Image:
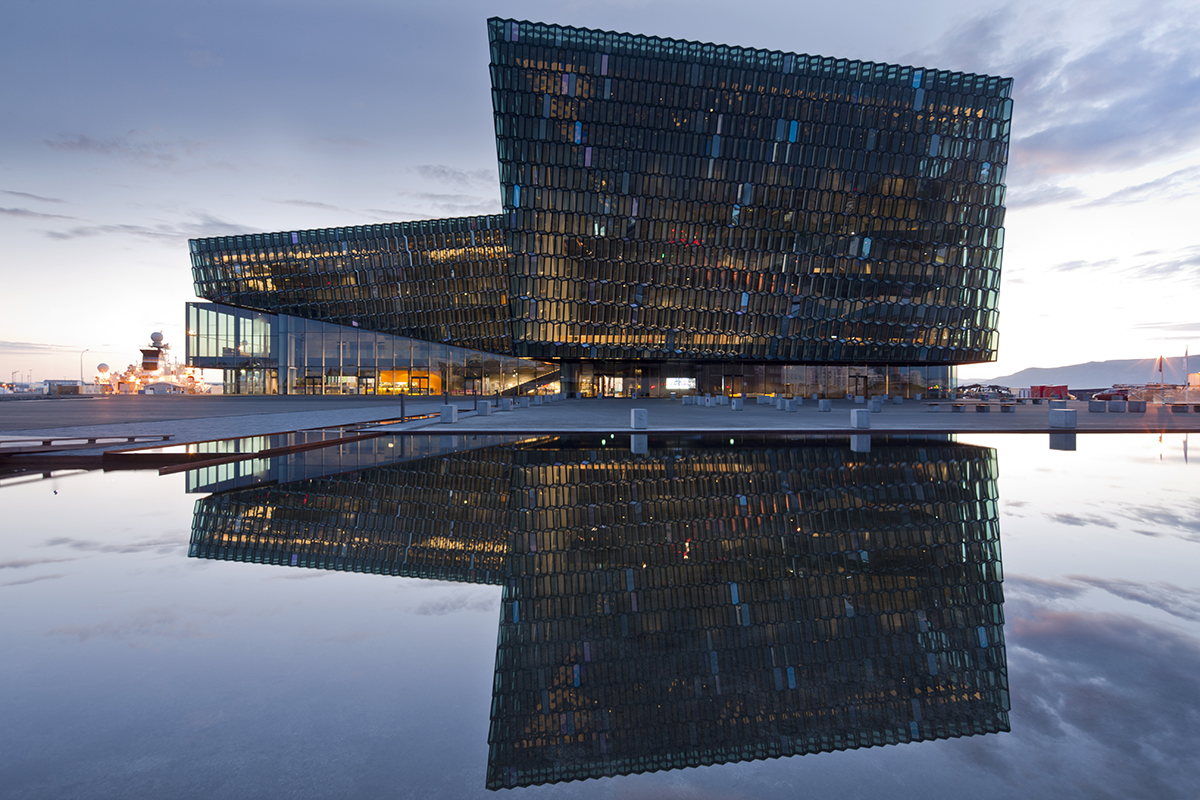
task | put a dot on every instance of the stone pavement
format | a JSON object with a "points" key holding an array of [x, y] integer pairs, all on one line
{"points": [[194, 419], [612, 416], [191, 419]]}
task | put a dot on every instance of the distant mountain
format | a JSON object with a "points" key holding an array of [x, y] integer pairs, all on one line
{"points": [[1098, 374]]}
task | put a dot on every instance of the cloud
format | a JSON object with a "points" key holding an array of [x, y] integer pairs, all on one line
{"points": [[459, 602], [204, 58], [1103, 706], [33, 349], [22, 563], [1176, 601], [162, 545], [1126, 101], [25, 212], [204, 225], [1178, 184], [24, 581], [1183, 263], [1182, 522], [1082, 521], [1112, 89], [389, 214], [309, 204], [1179, 326], [1071, 266], [1041, 195], [345, 141], [1028, 587], [29, 196], [136, 146], [453, 175], [452, 204], [162, 623]]}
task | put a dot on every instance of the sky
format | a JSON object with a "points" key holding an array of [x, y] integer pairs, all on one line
{"points": [[130, 127]]}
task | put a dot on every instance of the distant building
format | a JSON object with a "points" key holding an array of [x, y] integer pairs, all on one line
{"points": [[677, 216]]}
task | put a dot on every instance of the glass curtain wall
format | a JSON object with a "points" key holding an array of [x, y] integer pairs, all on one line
{"points": [[280, 354], [736, 379], [670, 200]]}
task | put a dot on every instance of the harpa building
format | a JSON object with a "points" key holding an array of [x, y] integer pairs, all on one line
{"points": [[676, 216]]}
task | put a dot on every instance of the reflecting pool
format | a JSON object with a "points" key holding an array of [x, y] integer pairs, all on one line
{"points": [[448, 616]]}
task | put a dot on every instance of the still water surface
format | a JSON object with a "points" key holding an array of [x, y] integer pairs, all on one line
{"points": [[447, 617]]}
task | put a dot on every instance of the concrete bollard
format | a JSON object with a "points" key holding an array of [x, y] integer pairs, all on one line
{"points": [[506, 404], [483, 409], [1136, 406], [876, 405], [1116, 406], [710, 401], [1062, 418], [1097, 406], [825, 405], [1058, 404], [639, 443], [639, 418], [860, 418], [1179, 408], [537, 400], [449, 414], [983, 408], [780, 404], [897, 400], [1037, 401], [917, 397], [791, 405], [859, 399], [735, 403], [523, 402], [816, 396], [1007, 408], [687, 399], [722, 400], [860, 443], [1062, 441]]}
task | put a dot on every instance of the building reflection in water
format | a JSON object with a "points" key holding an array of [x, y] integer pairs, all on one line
{"points": [[692, 604]]}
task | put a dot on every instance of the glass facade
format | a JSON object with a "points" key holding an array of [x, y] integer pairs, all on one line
{"points": [[692, 604], [440, 280], [675, 199], [279, 353], [682, 211]]}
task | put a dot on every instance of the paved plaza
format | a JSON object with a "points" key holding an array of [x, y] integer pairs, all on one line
{"points": [[196, 418], [664, 416], [190, 419]]}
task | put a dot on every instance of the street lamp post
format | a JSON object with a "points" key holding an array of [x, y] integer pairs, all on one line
{"points": [[87, 350]]}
